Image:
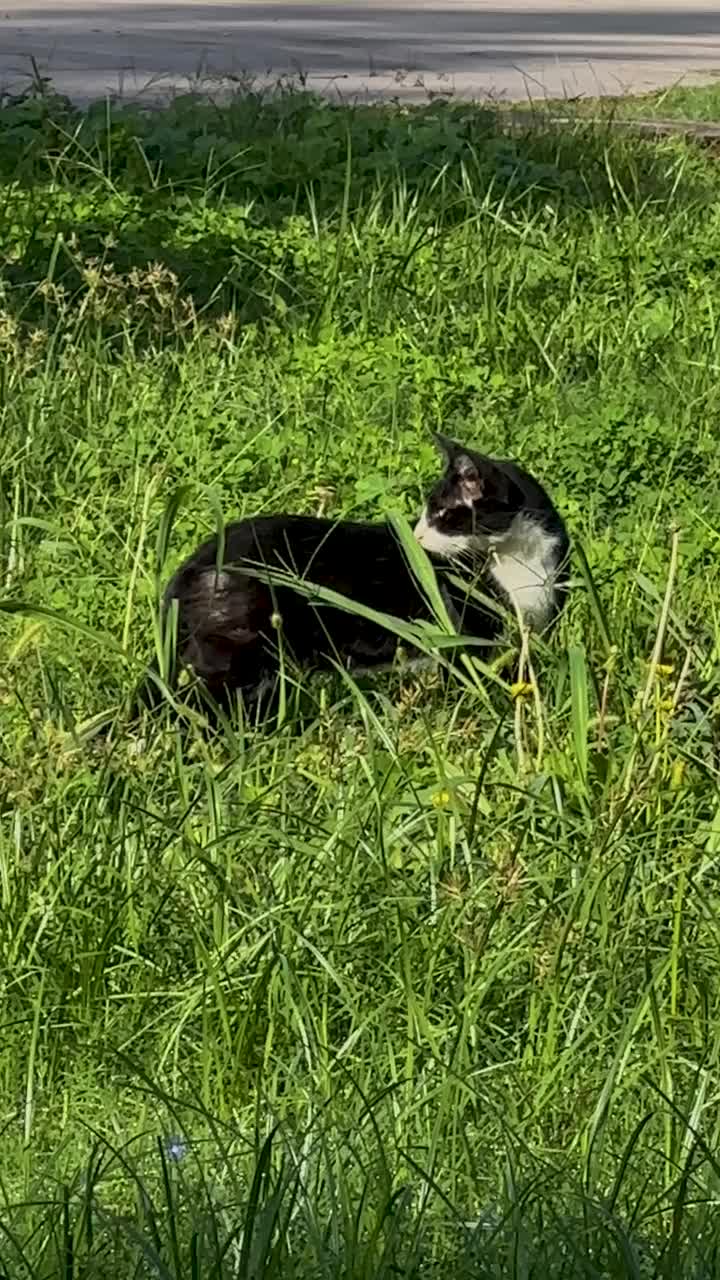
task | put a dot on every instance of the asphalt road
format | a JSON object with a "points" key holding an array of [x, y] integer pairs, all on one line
{"points": [[375, 48]]}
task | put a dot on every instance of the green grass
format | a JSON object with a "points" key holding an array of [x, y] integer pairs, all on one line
{"points": [[675, 102], [426, 983]]}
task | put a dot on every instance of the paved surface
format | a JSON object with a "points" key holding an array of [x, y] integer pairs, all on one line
{"points": [[372, 48]]}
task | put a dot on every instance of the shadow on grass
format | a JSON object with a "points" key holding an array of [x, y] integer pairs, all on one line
{"points": [[241, 202]]}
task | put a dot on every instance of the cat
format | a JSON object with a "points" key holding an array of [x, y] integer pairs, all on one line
{"points": [[484, 509], [484, 516]]}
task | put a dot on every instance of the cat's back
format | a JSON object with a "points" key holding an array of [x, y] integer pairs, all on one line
{"points": [[296, 543]]}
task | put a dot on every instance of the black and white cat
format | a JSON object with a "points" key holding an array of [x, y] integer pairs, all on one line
{"points": [[487, 517], [491, 513]]}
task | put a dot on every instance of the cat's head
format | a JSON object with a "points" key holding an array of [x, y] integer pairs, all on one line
{"points": [[473, 504]]}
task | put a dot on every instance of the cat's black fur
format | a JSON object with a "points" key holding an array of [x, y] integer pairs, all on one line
{"points": [[230, 622]]}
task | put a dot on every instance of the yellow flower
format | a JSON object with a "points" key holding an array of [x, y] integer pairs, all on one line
{"points": [[522, 689], [440, 799]]}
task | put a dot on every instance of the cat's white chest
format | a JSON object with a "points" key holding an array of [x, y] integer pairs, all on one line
{"points": [[523, 563]]}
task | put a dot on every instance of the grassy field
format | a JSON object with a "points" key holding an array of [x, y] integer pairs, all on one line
{"points": [[426, 984]]}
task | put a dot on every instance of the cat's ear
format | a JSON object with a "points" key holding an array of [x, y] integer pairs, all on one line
{"points": [[469, 477], [480, 479], [447, 447], [467, 471]]}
